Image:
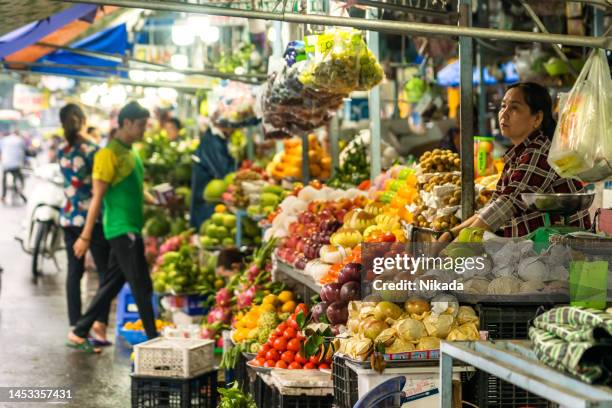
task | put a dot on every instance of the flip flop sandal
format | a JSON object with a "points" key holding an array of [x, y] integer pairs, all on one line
{"points": [[86, 346], [99, 343]]}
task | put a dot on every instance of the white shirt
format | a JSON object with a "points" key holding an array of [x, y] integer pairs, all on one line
{"points": [[13, 150]]}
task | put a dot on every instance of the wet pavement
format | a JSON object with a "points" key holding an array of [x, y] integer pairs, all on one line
{"points": [[33, 328]]}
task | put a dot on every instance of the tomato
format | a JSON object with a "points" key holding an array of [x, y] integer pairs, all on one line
{"points": [[280, 364], [388, 237], [324, 366], [272, 355], [282, 326], [288, 356], [290, 333], [261, 361], [310, 366], [294, 345], [315, 359], [280, 344], [292, 322], [301, 308], [273, 336], [295, 366], [300, 359], [264, 349]]}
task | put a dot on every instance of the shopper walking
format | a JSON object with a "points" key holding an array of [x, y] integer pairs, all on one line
{"points": [[76, 157], [12, 154], [118, 182]]}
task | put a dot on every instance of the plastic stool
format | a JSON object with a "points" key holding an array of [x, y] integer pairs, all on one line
{"points": [[127, 311], [385, 395]]}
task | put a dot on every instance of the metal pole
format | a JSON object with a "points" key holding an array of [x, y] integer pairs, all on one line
{"points": [[483, 15], [466, 67], [334, 133], [305, 159], [402, 27], [250, 144], [116, 80], [598, 22], [374, 100]]}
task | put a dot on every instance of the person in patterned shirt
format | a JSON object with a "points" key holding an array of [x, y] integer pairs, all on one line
{"points": [[76, 156], [526, 119]]}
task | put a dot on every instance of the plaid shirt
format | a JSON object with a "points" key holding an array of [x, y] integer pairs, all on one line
{"points": [[526, 170]]}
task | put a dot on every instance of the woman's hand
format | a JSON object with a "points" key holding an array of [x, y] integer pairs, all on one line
{"points": [[444, 238], [80, 247]]}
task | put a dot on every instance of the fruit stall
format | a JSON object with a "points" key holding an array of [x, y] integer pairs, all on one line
{"points": [[306, 231], [296, 290]]}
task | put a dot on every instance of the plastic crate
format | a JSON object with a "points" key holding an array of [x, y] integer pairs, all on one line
{"points": [[302, 401], [173, 357], [346, 392], [505, 323], [263, 393], [196, 392], [501, 394], [127, 311]]}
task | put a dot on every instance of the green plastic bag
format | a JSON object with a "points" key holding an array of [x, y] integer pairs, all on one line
{"points": [[588, 284]]}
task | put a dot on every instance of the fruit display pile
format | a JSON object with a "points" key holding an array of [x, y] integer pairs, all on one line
{"points": [[288, 163], [179, 270], [167, 161], [290, 347], [137, 325], [416, 325], [221, 228], [255, 326]]}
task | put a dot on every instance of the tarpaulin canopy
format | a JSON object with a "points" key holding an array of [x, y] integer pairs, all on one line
{"points": [[31, 33], [113, 40]]}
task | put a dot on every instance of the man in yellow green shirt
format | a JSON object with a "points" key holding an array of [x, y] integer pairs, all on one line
{"points": [[118, 186]]}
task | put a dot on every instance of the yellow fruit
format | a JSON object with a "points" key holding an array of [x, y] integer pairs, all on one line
{"points": [[241, 334], [240, 324], [267, 307], [250, 322], [288, 307], [219, 283], [285, 296], [270, 300], [219, 208]]}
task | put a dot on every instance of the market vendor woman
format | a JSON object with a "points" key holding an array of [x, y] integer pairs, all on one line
{"points": [[526, 119]]}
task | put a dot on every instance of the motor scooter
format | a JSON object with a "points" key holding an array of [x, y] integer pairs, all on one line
{"points": [[42, 235]]}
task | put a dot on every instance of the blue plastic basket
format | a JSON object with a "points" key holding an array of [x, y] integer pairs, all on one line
{"points": [[133, 336]]}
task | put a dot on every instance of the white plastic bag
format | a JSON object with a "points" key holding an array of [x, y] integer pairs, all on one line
{"points": [[582, 143]]}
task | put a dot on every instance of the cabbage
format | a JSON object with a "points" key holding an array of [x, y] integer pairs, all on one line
{"points": [[467, 331], [531, 286], [399, 346], [438, 325], [467, 315], [428, 343], [410, 329], [477, 285], [506, 285], [531, 269]]}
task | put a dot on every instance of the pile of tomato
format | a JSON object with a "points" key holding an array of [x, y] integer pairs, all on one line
{"points": [[282, 350]]}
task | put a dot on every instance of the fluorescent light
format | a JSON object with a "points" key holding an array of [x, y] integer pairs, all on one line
{"points": [[179, 61], [182, 35], [210, 35]]}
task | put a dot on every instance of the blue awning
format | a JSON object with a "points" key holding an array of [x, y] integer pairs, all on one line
{"points": [[31, 33], [113, 40]]}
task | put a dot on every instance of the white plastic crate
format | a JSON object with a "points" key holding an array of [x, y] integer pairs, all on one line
{"points": [[173, 357]]}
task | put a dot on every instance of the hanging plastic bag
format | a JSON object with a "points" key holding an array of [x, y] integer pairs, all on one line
{"points": [[335, 66], [582, 143]]}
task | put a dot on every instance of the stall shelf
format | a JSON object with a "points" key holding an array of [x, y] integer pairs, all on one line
{"points": [[514, 362]]}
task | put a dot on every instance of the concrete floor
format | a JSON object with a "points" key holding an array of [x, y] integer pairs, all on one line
{"points": [[33, 328]]}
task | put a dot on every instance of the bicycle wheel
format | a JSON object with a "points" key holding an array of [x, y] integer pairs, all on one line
{"points": [[39, 249]]}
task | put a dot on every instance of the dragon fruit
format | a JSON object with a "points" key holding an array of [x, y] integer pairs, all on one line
{"points": [[245, 299], [171, 244], [219, 314], [219, 343], [223, 298], [208, 333], [253, 272]]}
